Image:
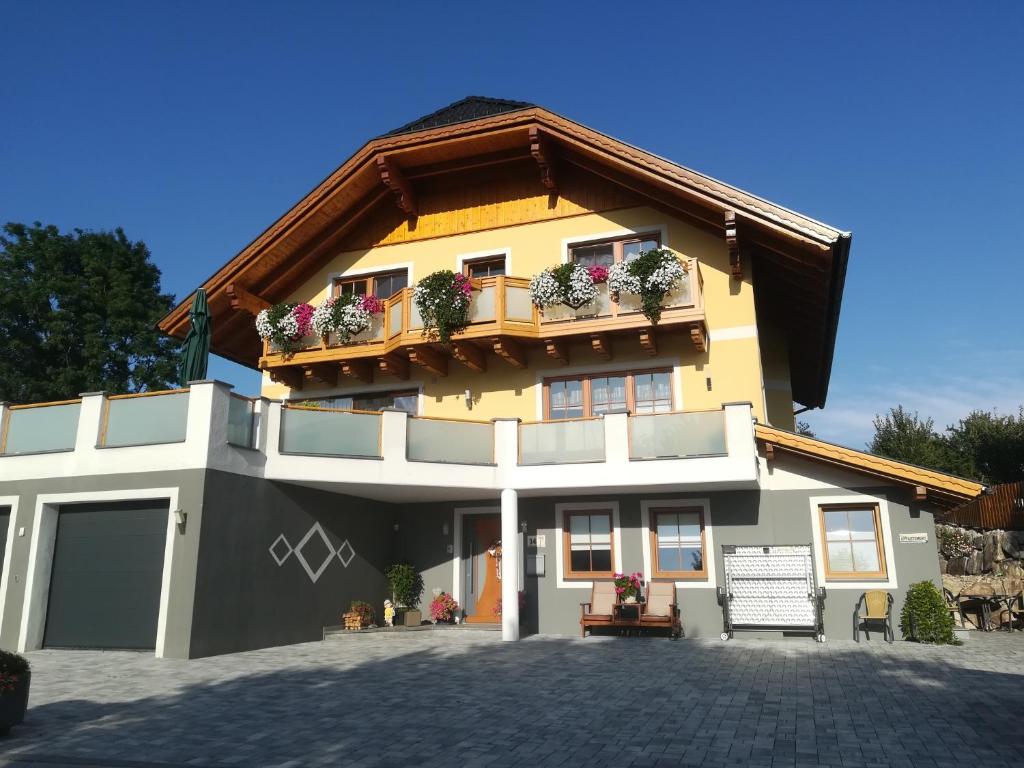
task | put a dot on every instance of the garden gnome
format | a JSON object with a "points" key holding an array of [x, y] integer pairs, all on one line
{"points": [[389, 613]]}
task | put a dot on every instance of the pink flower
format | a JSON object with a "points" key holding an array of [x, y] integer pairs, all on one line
{"points": [[598, 274], [303, 314], [372, 304]]}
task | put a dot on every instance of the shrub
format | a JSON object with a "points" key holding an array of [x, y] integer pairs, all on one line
{"points": [[13, 663], [956, 542], [406, 584], [925, 617], [443, 608]]}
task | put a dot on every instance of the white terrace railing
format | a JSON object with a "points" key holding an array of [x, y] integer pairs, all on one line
{"points": [[207, 426]]}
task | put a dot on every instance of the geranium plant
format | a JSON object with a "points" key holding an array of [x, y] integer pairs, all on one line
{"points": [[522, 604], [346, 316], [571, 284], [443, 608], [627, 587], [285, 324], [443, 300], [651, 275]]}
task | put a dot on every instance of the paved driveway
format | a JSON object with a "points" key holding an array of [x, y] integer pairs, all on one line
{"points": [[464, 698]]}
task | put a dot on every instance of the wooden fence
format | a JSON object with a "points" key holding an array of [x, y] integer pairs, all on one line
{"points": [[1002, 507]]}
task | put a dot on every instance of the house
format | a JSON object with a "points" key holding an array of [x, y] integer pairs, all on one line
{"points": [[541, 449]]}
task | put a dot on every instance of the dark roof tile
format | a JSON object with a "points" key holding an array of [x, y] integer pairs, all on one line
{"points": [[469, 108]]}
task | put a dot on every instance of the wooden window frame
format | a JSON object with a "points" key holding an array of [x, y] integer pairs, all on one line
{"points": [[468, 264], [568, 572], [370, 279], [618, 244], [652, 532], [585, 378], [880, 575]]}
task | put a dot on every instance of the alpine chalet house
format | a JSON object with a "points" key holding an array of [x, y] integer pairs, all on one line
{"points": [[498, 345]]}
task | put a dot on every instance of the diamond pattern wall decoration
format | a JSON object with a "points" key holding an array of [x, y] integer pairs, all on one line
{"points": [[279, 559], [282, 549]]}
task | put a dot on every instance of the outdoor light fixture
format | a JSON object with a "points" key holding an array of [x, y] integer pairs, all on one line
{"points": [[469, 398], [179, 518]]}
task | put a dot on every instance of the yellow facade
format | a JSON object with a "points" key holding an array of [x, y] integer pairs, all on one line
{"points": [[730, 370]]}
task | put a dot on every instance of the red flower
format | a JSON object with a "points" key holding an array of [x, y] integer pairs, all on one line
{"points": [[598, 274]]}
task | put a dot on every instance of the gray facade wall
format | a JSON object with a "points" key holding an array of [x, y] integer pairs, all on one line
{"points": [[245, 600], [189, 485], [737, 517]]}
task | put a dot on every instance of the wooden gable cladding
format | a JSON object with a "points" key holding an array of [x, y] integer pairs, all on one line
{"points": [[472, 201]]}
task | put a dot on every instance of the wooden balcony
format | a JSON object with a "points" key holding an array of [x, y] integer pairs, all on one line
{"points": [[503, 321]]}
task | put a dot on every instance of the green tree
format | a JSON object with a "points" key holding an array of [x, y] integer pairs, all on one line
{"points": [[989, 446], [905, 436], [78, 313], [803, 428]]}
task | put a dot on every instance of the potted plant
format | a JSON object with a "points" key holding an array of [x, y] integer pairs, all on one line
{"points": [[925, 617], [284, 325], [443, 608], [571, 284], [651, 275], [15, 677], [406, 590], [345, 316], [443, 300]]}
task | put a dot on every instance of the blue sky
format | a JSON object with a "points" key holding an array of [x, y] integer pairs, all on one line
{"points": [[194, 125]]}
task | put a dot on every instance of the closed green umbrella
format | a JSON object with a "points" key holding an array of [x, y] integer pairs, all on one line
{"points": [[195, 352]]}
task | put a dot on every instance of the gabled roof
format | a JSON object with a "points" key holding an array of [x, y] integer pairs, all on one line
{"points": [[800, 263], [469, 108], [945, 489]]}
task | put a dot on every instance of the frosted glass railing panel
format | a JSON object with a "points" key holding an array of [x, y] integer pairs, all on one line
{"points": [[450, 442], [330, 433], [374, 333], [599, 307], [415, 321], [681, 296], [677, 435], [395, 319], [241, 421], [146, 420], [518, 305], [46, 428], [561, 442], [481, 309], [306, 342]]}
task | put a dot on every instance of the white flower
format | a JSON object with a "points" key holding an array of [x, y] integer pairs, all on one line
{"points": [[323, 318], [263, 326], [544, 290], [621, 280], [581, 288]]}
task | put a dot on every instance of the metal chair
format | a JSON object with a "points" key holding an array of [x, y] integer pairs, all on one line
{"points": [[877, 605], [956, 610]]}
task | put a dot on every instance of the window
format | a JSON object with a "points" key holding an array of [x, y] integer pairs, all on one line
{"points": [[606, 253], [488, 266], [677, 543], [594, 394], [587, 539], [374, 401], [853, 541], [381, 285]]}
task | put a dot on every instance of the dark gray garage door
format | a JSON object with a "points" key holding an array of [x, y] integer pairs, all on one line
{"points": [[107, 567]]}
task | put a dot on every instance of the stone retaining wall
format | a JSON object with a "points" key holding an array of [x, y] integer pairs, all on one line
{"points": [[963, 552]]}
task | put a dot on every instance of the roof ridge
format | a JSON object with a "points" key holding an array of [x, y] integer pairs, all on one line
{"points": [[431, 120]]}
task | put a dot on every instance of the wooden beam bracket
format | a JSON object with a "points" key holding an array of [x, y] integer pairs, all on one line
{"points": [[326, 372], [392, 178], [360, 369], [290, 377], [557, 350], [733, 242], [648, 341], [920, 493], [470, 355], [429, 358], [395, 366], [540, 149], [699, 337], [602, 345], [241, 299], [510, 351]]}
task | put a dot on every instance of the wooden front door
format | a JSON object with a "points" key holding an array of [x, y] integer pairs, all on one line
{"points": [[483, 575]]}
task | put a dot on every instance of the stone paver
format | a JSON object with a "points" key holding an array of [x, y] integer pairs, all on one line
{"points": [[465, 698]]}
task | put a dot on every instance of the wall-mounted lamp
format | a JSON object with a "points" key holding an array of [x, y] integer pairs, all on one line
{"points": [[179, 518], [469, 398]]}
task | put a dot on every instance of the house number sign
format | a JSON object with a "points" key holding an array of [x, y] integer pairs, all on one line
{"points": [[913, 538]]}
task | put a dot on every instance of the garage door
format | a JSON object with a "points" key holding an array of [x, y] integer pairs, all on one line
{"points": [[105, 584]]}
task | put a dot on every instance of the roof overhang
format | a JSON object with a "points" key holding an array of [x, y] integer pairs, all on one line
{"points": [[809, 257], [942, 490]]}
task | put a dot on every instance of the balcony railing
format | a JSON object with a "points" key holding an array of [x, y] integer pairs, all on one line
{"points": [[330, 432], [241, 421], [147, 418], [569, 441], [450, 441], [41, 428], [677, 435], [500, 307]]}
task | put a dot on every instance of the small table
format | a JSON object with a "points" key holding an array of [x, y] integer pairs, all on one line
{"points": [[986, 602], [626, 616]]}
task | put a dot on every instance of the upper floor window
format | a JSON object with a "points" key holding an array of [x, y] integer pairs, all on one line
{"points": [[594, 394], [407, 401], [382, 284], [853, 541], [486, 266], [608, 252]]}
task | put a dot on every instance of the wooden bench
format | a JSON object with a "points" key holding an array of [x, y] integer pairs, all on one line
{"points": [[659, 612]]}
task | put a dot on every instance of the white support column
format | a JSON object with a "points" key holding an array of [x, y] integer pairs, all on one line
{"points": [[739, 435], [616, 438], [509, 564], [90, 421]]}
